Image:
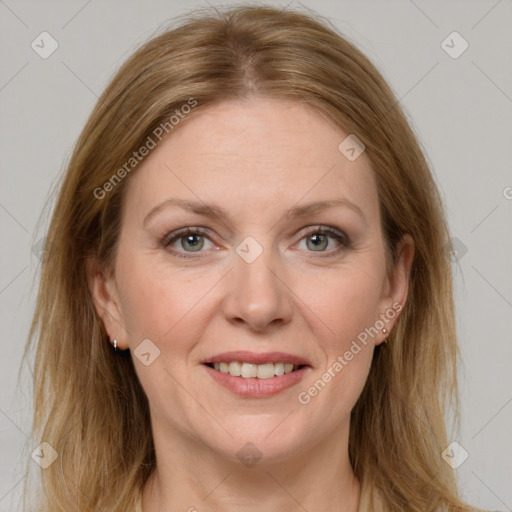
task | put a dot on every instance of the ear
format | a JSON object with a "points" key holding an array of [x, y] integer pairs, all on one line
{"points": [[105, 297], [396, 286]]}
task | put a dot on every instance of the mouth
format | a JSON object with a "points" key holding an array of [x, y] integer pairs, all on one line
{"points": [[253, 375], [255, 371]]}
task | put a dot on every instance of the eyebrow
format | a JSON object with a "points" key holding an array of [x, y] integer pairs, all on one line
{"points": [[216, 212]]}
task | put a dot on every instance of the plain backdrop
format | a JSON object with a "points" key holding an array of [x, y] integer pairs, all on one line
{"points": [[459, 105]]}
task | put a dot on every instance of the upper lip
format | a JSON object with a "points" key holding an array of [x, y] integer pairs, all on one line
{"points": [[257, 358]]}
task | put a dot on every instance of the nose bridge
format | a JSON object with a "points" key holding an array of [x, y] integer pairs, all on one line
{"points": [[257, 294]]}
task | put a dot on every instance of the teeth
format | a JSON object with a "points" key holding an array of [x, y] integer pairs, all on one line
{"points": [[250, 370], [235, 369], [265, 371], [279, 369]]}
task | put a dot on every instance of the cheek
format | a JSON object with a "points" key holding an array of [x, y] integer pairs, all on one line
{"points": [[170, 308], [345, 302], [161, 303], [346, 307]]}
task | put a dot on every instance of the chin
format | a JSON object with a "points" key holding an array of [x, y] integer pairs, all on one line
{"points": [[262, 442]]}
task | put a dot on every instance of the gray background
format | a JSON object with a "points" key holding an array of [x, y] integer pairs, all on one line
{"points": [[461, 109]]}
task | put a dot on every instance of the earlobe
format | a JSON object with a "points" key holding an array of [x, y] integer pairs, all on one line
{"points": [[106, 302]]}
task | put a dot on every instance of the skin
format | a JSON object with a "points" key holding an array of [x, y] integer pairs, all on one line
{"points": [[255, 158]]}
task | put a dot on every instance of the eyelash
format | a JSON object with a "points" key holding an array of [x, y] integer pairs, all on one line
{"points": [[339, 236]]}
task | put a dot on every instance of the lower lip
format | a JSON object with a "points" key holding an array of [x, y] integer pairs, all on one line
{"points": [[254, 387]]}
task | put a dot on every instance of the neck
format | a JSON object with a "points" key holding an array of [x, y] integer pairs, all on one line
{"points": [[193, 478]]}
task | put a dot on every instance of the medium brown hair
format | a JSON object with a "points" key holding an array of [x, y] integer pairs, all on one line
{"points": [[89, 404]]}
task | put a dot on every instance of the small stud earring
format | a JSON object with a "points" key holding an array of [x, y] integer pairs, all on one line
{"points": [[115, 345], [385, 332]]}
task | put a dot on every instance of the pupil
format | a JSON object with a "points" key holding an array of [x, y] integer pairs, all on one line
{"points": [[319, 239], [190, 240]]}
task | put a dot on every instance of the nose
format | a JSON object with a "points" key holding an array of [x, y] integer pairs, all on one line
{"points": [[257, 295]]}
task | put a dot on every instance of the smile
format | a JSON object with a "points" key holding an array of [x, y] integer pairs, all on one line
{"points": [[256, 375], [258, 371]]}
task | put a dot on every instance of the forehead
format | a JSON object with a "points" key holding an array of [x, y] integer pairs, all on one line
{"points": [[269, 154]]}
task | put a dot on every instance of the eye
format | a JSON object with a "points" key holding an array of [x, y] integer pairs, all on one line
{"points": [[319, 237], [185, 242], [185, 239]]}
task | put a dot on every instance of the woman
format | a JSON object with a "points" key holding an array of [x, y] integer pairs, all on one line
{"points": [[301, 359]]}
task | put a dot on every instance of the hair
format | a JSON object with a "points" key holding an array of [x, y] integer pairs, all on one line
{"points": [[88, 402]]}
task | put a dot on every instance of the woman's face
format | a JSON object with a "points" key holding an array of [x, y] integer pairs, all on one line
{"points": [[256, 280]]}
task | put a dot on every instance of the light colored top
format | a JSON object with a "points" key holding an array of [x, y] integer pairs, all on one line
{"points": [[367, 503]]}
